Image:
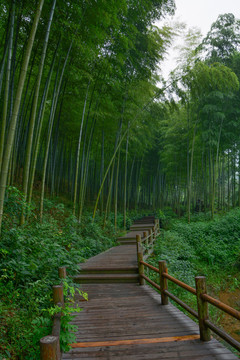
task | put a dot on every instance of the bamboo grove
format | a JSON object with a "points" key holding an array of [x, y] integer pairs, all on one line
{"points": [[199, 140], [73, 74], [86, 114]]}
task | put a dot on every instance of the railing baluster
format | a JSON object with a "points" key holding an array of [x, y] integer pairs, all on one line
{"points": [[203, 299], [145, 235], [205, 334], [49, 348], [140, 259], [58, 297], [163, 281], [62, 272], [151, 237]]}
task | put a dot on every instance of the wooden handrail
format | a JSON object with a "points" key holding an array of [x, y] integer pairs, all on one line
{"points": [[220, 305], [229, 339], [50, 345], [151, 282], [181, 303], [203, 299], [150, 266], [148, 240], [180, 283]]}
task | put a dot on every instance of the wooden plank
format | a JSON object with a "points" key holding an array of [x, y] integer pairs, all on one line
{"points": [[127, 321], [176, 350], [135, 341]]}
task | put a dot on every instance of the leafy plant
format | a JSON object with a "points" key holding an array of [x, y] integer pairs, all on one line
{"points": [[29, 259]]}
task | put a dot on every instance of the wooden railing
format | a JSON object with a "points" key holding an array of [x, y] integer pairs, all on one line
{"points": [[50, 345], [203, 299], [148, 240]]}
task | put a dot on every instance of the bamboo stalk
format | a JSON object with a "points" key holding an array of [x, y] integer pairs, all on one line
{"points": [[14, 117]]}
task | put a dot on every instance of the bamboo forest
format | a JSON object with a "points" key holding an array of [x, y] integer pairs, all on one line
{"points": [[94, 135]]}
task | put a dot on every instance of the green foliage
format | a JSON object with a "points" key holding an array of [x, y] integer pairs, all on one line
{"points": [[215, 242], [204, 247], [29, 259], [120, 220], [223, 38], [14, 203], [67, 335]]}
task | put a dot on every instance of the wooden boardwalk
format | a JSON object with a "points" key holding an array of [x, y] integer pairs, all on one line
{"points": [[123, 320]]}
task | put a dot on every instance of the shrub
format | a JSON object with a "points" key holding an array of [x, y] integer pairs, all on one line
{"points": [[29, 259]]}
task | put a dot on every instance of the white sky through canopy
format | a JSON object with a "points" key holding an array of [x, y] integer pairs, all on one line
{"points": [[201, 14]]}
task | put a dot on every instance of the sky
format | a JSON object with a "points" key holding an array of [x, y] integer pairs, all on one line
{"points": [[201, 14]]}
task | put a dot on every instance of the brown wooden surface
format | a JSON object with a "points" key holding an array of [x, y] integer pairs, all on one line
{"points": [[127, 312], [201, 288], [142, 227], [127, 321], [134, 341], [132, 235], [117, 257], [116, 265]]}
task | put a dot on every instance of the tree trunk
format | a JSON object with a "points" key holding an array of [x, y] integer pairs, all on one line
{"points": [[7, 84], [78, 153], [13, 120], [125, 184], [38, 130], [26, 167], [51, 120], [190, 176]]}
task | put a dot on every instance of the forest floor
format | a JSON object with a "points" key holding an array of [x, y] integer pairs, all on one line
{"points": [[230, 325]]}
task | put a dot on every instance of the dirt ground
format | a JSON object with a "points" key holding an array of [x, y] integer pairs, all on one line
{"points": [[230, 324]]}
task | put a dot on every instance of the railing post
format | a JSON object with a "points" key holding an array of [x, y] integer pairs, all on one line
{"points": [[58, 297], [155, 228], [163, 281], [145, 235], [205, 334], [140, 258], [62, 272], [151, 237], [49, 348]]}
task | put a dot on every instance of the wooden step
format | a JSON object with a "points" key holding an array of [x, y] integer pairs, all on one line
{"points": [[127, 242], [130, 237], [141, 227], [109, 270], [106, 278], [148, 221]]}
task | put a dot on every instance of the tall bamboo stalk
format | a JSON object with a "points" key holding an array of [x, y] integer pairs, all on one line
{"points": [[82, 192], [39, 129], [78, 152], [13, 120], [7, 83], [108, 204], [190, 174], [125, 183], [102, 170], [27, 161]]}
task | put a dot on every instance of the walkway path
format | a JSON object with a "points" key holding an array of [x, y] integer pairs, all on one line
{"points": [[122, 320]]}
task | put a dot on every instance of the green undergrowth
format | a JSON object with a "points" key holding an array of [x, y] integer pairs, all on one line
{"points": [[30, 256], [203, 247]]}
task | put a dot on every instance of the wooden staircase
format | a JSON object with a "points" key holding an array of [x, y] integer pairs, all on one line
{"points": [[107, 275], [130, 238], [110, 267], [118, 264], [122, 320]]}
